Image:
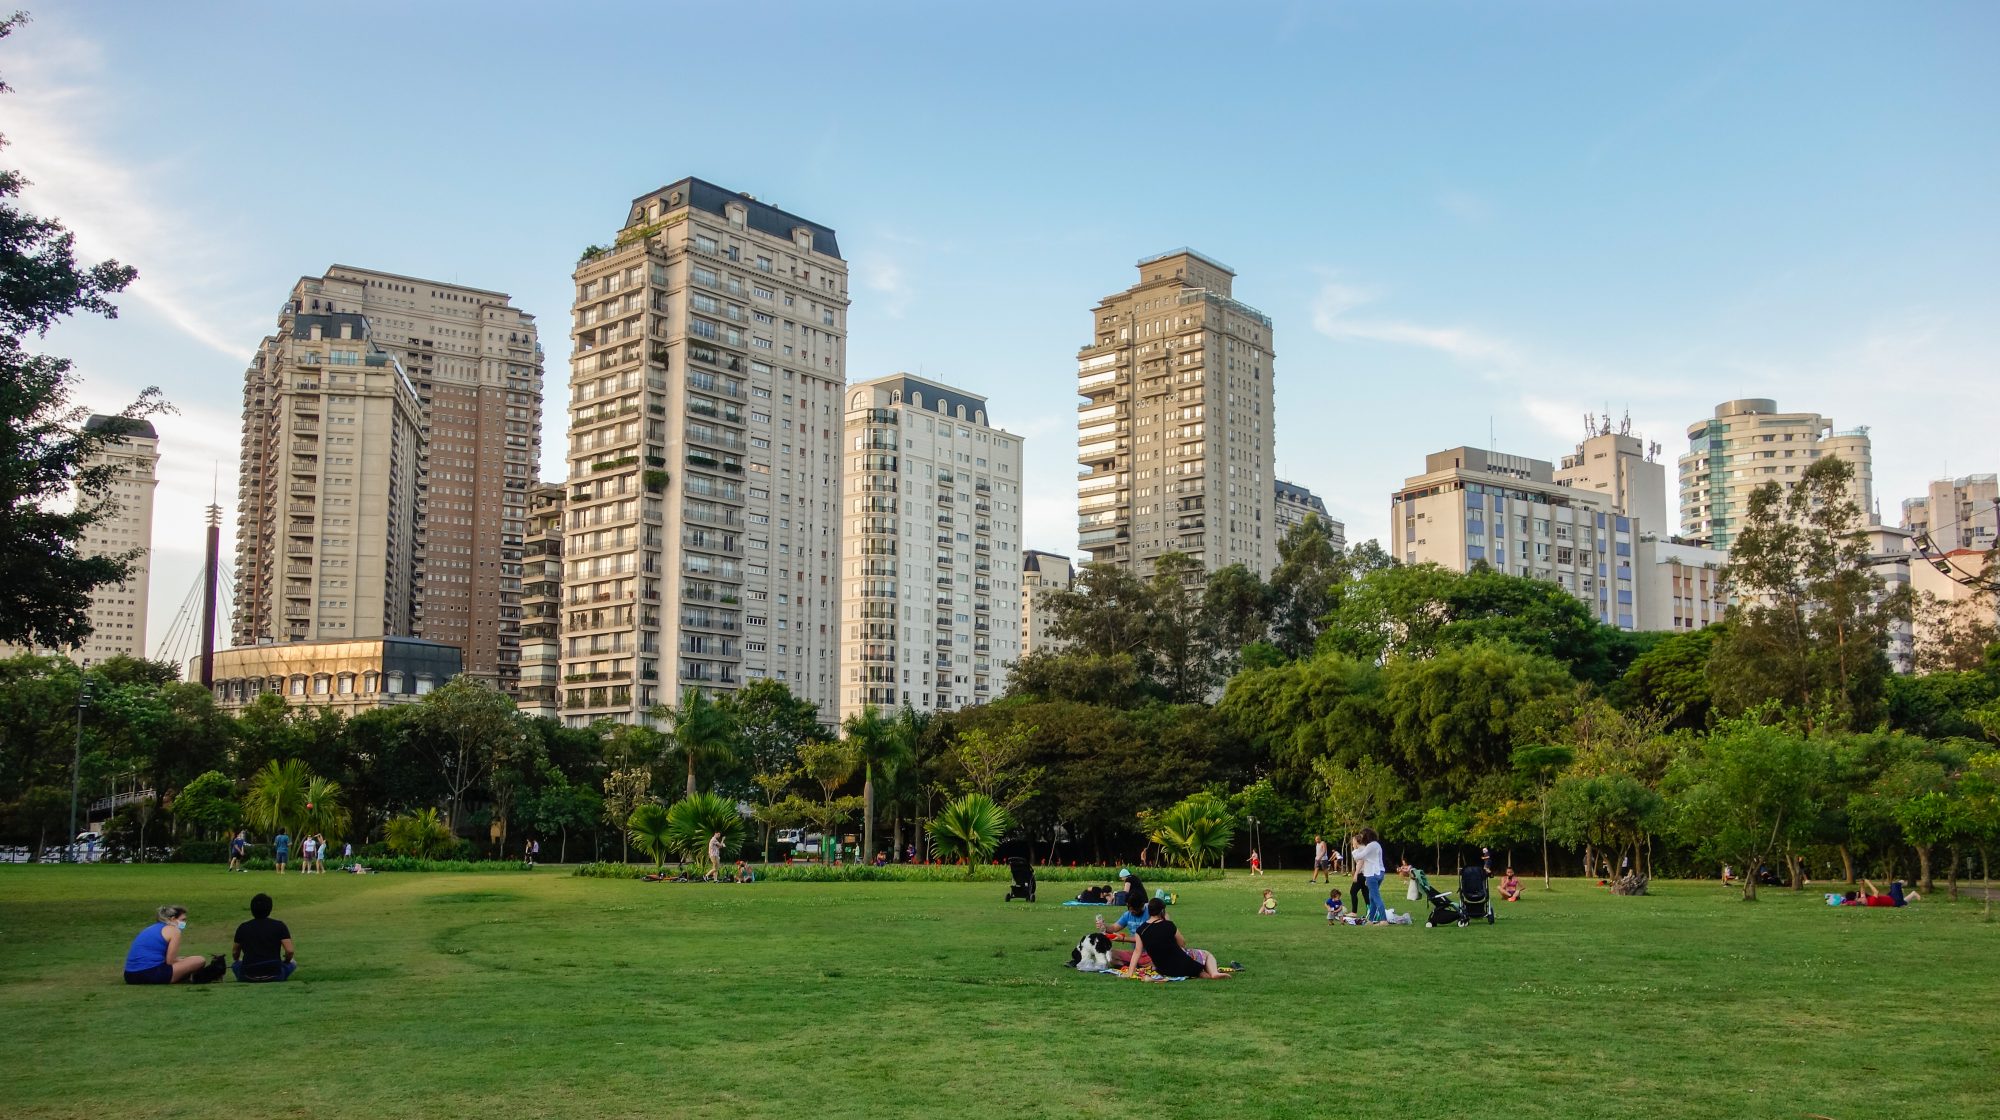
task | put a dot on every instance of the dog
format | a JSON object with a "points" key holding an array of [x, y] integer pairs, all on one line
{"points": [[1092, 954]]}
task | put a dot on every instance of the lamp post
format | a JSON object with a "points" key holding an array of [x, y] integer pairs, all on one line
{"points": [[76, 757]]}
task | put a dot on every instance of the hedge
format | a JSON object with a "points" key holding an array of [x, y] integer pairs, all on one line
{"points": [[912, 873]]}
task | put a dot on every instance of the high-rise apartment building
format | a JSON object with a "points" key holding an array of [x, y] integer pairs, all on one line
{"points": [[448, 503], [1748, 443], [541, 603], [1680, 586], [1956, 513], [1043, 574], [702, 542], [327, 514], [1471, 506], [118, 610], [931, 583], [1625, 470], [1292, 504], [1175, 431]]}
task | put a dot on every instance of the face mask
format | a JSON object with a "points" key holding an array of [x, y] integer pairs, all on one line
{"points": [[181, 924]]}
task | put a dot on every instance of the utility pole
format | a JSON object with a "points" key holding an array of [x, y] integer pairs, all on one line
{"points": [[76, 757]]}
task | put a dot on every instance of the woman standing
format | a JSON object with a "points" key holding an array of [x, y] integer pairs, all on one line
{"points": [[155, 955], [1368, 868]]}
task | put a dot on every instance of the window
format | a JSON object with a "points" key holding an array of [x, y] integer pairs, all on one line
{"points": [[764, 264]]}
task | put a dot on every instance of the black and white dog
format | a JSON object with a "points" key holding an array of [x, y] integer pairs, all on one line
{"points": [[1092, 954]]}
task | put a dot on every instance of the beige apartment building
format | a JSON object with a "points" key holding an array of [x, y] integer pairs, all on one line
{"points": [[1624, 469], [449, 502], [1291, 505], [541, 603], [1956, 514], [347, 675], [1472, 505], [931, 579], [1680, 586], [1175, 431], [328, 494], [702, 543], [1748, 443], [1043, 574]]}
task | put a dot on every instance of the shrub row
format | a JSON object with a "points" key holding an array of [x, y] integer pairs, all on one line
{"points": [[913, 873]]}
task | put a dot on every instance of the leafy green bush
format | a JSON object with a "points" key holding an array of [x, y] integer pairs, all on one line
{"points": [[420, 835], [970, 827], [407, 863], [216, 851], [691, 821], [913, 873]]}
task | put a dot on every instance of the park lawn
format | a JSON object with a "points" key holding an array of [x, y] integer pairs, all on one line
{"points": [[538, 994]]}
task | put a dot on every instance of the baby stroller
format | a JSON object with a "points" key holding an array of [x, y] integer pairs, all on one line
{"points": [[1024, 880], [1473, 901], [1443, 910]]}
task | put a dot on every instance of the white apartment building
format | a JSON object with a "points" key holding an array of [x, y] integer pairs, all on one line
{"points": [[702, 542], [541, 604], [1956, 513], [1472, 505], [117, 611], [931, 572], [1680, 585], [1175, 430], [1624, 469], [1292, 504], [1043, 574], [1748, 443]]}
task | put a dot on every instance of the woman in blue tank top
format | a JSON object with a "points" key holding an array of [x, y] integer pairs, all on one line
{"points": [[155, 955]]}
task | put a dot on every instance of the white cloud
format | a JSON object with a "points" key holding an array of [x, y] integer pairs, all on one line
{"points": [[1332, 316], [52, 119]]}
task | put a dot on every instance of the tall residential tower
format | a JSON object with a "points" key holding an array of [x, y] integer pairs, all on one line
{"points": [[1175, 431], [1748, 443], [702, 543]]}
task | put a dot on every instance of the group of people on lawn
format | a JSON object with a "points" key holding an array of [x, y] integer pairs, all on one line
{"points": [[261, 950]]}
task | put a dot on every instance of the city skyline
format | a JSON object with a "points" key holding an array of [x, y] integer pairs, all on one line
{"points": [[1788, 206]]}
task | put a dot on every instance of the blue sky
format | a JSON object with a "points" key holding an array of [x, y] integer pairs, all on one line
{"points": [[1462, 217]]}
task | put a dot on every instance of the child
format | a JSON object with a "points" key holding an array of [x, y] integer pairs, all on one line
{"points": [[1256, 864], [1510, 888], [1269, 908], [1333, 910]]}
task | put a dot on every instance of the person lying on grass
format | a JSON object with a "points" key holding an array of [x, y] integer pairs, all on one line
{"points": [[1896, 896], [1168, 949]]}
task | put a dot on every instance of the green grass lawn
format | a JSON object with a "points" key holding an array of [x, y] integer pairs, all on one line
{"points": [[524, 995]]}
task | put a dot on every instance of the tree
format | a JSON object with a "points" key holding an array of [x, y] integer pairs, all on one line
{"points": [[1358, 793], [1305, 586], [1605, 812], [1442, 825], [277, 796], [1745, 793], [1182, 641], [1195, 830], [1113, 680], [1810, 627], [47, 448], [970, 828], [996, 764], [1236, 612], [1106, 611], [324, 811], [560, 805], [207, 805], [467, 727], [1455, 715], [1538, 764], [1672, 678], [771, 723], [1951, 635], [691, 821], [419, 835], [624, 791], [830, 765], [652, 831], [702, 732], [876, 743]]}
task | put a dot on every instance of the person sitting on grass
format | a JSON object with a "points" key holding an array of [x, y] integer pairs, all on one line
{"points": [[263, 950], [1896, 896], [155, 955], [1168, 950], [1510, 888], [743, 874], [1269, 907], [1131, 884], [1335, 912], [1126, 928]]}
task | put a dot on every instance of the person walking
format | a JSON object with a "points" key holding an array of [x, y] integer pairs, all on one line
{"points": [[239, 846], [1256, 864], [1368, 866], [715, 857], [1322, 863]]}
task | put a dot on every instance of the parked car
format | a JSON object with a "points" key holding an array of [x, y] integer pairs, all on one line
{"points": [[801, 842]]}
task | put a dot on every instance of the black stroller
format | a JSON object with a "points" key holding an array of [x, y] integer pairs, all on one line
{"points": [[1024, 880], [1474, 902], [1444, 911]]}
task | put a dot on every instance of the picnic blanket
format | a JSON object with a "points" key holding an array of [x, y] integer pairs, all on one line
{"points": [[1080, 902]]}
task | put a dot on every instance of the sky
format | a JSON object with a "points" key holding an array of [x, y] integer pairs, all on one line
{"points": [[1472, 223]]}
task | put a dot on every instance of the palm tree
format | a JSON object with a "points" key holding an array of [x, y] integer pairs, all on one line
{"points": [[421, 834], [651, 831], [323, 812], [277, 796], [1192, 831], [692, 821], [970, 827], [703, 731], [881, 746]]}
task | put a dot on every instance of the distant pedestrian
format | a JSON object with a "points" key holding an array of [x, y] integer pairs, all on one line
{"points": [[1256, 864], [715, 857], [1322, 861], [1368, 865], [281, 849], [239, 846]]}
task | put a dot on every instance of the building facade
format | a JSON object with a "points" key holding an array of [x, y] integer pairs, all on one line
{"points": [[1624, 469], [348, 675], [1956, 514], [328, 493], [541, 603], [1680, 585], [1043, 575], [702, 542], [1473, 506], [450, 501], [1748, 443], [1175, 430], [931, 572], [118, 611], [1291, 505]]}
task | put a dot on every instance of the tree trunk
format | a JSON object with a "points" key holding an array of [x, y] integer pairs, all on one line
{"points": [[897, 855], [1545, 854], [1797, 870], [690, 773], [562, 851], [1846, 865], [1924, 866], [1750, 882], [868, 814], [1951, 883]]}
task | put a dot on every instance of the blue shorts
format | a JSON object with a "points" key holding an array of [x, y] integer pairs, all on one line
{"points": [[264, 972], [162, 973]]}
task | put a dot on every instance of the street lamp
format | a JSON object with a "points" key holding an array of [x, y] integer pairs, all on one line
{"points": [[76, 756]]}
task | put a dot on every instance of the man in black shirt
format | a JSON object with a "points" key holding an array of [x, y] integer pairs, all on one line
{"points": [[263, 950]]}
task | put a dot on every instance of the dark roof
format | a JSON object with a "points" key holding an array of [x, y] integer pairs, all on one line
{"points": [[133, 429], [1031, 559], [908, 388], [1294, 492], [760, 216]]}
